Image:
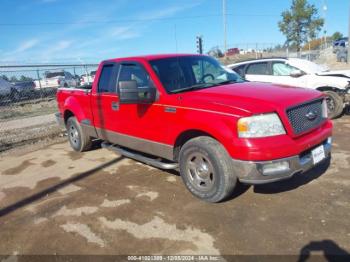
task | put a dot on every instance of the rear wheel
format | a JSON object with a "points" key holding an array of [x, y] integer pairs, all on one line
{"points": [[334, 104], [77, 139], [206, 169]]}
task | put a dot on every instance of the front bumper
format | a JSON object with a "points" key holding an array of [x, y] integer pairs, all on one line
{"points": [[252, 172]]}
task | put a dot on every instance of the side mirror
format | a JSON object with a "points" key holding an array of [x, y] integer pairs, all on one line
{"points": [[129, 93], [296, 73]]}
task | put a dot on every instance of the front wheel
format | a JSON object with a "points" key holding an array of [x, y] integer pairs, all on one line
{"points": [[206, 169], [77, 139], [335, 104]]}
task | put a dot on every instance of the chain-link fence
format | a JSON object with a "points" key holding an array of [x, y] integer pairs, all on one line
{"points": [[243, 51], [27, 99]]}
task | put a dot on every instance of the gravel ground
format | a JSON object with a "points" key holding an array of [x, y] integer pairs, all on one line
{"points": [[56, 201]]}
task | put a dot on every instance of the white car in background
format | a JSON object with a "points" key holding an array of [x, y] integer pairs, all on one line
{"points": [[56, 79], [87, 79], [300, 73]]}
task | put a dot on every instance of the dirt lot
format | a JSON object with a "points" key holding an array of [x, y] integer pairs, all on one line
{"points": [[27, 122], [55, 201]]}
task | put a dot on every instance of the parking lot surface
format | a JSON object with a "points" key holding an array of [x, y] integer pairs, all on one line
{"points": [[56, 201]]}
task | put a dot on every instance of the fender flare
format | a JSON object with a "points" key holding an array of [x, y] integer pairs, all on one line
{"points": [[72, 105], [221, 132]]}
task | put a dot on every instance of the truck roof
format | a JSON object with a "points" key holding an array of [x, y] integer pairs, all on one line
{"points": [[150, 57]]}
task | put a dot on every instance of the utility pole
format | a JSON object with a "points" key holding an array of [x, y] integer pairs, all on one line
{"points": [[225, 25], [348, 60], [325, 8]]}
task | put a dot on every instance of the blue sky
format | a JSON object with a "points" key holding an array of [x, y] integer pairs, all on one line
{"points": [[89, 31]]}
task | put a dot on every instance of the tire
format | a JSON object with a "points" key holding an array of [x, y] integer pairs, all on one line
{"points": [[77, 139], [335, 104], [206, 169]]}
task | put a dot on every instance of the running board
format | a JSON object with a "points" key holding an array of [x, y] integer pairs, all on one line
{"points": [[139, 157]]}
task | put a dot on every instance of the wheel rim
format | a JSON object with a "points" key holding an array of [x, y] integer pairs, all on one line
{"points": [[200, 172], [330, 104], [73, 135]]}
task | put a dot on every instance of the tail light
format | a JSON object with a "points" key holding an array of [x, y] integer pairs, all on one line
{"points": [[59, 81]]}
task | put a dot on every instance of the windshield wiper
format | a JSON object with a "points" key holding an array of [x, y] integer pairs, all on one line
{"points": [[226, 82], [193, 87], [202, 86]]}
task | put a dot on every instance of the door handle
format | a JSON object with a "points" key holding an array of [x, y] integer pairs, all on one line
{"points": [[115, 106]]}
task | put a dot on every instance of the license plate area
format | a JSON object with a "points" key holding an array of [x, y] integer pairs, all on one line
{"points": [[318, 154]]}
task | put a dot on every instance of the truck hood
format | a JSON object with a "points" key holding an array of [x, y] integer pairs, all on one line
{"points": [[248, 98]]}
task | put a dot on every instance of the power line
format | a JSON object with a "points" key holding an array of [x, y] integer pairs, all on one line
{"points": [[133, 20]]}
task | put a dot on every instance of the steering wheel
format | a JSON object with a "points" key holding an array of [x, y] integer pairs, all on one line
{"points": [[207, 75]]}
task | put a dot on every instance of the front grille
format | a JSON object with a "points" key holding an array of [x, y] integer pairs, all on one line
{"points": [[306, 116]]}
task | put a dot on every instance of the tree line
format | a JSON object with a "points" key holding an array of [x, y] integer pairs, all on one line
{"points": [[22, 78]]}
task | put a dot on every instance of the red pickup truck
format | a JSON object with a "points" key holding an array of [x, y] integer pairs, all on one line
{"points": [[190, 112]]}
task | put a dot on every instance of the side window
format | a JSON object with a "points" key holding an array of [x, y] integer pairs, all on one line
{"points": [[134, 72], [107, 77], [171, 73], [240, 70], [282, 69], [258, 69]]}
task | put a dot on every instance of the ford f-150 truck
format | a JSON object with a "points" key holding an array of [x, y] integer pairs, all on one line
{"points": [[191, 113]]}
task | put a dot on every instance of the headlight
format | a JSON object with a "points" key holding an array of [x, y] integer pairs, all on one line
{"points": [[260, 126], [324, 108]]}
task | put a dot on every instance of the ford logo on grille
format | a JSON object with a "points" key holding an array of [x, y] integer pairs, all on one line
{"points": [[311, 115]]}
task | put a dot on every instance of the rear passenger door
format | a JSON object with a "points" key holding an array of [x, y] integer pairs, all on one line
{"points": [[258, 72], [105, 102]]}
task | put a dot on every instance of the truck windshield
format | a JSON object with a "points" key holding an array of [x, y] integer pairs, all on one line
{"points": [[186, 73]]}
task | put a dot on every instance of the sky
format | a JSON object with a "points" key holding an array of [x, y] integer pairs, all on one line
{"points": [[88, 31]]}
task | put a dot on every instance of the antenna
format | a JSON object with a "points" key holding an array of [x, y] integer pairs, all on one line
{"points": [[175, 35], [225, 24]]}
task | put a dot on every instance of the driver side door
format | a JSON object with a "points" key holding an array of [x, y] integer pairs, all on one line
{"points": [[140, 124]]}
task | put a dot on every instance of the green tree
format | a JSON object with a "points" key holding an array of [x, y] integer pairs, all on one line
{"points": [[25, 78], [300, 23], [337, 35]]}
